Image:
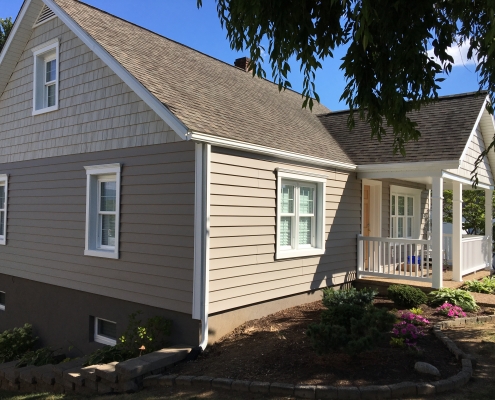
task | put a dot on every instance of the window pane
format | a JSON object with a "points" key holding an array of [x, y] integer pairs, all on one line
{"points": [[51, 71], [108, 230], [287, 201], [410, 206], [306, 200], [108, 329], [401, 205], [400, 227], [392, 227], [285, 231], [51, 96], [305, 230], [108, 192], [2, 222], [393, 205], [409, 227], [2, 298], [2, 197]]}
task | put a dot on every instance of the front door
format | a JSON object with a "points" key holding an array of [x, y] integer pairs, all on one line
{"points": [[366, 222]]}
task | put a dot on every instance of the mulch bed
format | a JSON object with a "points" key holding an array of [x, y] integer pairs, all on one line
{"points": [[276, 349]]}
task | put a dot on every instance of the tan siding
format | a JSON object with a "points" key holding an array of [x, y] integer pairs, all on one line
{"points": [[474, 148], [97, 110], [46, 226], [243, 269]]}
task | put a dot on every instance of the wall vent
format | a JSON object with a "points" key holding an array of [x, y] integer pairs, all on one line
{"points": [[45, 15]]}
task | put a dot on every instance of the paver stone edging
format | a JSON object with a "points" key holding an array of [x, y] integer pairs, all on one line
{"points": [[396, 390]]}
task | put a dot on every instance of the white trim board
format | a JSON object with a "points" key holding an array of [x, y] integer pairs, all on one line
{"points": [[145, 95], [473, 131]]}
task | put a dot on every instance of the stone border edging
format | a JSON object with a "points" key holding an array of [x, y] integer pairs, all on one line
{"points": [[396, 390]]}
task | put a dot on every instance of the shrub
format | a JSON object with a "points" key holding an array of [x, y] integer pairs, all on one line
{"points": [[363, 297], [486, 285], [139, 338], [349, 323], [417, 311], [15, 342], [405, 296], [456, 297], [451, 310], [40, 357], [409, 329]]}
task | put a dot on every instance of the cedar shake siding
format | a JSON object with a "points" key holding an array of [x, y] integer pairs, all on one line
{"points": [[243, 268], [97, 111], [46, 225]]}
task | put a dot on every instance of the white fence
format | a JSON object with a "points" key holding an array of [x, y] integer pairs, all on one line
{"points": [[394, 258], [475, 252]]}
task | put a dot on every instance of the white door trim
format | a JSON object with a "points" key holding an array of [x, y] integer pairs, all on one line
{"points": [[375, 207]]}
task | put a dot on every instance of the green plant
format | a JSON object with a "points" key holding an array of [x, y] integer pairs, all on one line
{"points": [[363, 297], [139, 338], [15, 342], [40, 357], [417, 311], [456, 297], [486, 285], [405, 296], [397, 342]]}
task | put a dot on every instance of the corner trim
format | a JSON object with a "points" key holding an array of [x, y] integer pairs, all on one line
{"points": [[155, 104], [254, 148]]}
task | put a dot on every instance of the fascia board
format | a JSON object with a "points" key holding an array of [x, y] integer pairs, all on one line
{"points": [[409, 166], [254, 148], [155, 104], [473, 131], [464, 180]]}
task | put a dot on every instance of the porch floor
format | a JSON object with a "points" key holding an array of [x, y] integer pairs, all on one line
{"points": [[382, 283]]}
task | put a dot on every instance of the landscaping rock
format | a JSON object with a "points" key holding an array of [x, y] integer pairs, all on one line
{"points": [[259, 387], [427, 369], [151, 381], [73, 375], [104, 389], [327, 392], [203, 382], [305, 391], [107, 371], [222, 383], [402, 389], [240, 386], [184, 380], [44, 374], [283, 389], [373, 392], [167, 380], [59, 369], [89, 373], [128, 387], [349, 393], [444, 385], [132, 368], [6, 366]]}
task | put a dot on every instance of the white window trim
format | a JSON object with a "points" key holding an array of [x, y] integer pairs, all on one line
{"points": [[94, 172], [416, 195], [2, 306], [320, 182], [38, 52], [4, 181], [103, 339]]}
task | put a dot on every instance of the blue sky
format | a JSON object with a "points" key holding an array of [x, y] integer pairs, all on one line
{"points": [[201, 30]]}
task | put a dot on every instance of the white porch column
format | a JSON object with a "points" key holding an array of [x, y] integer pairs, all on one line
{"points": [[488, 227], [456, 231], [437, 231]]}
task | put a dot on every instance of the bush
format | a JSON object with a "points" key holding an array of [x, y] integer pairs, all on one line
{"points": [[349, 323], [486, 285], [40, 357], [456, 297], [137, 340], [363, 297], [15, 342], [405, 296], [451, 311]]}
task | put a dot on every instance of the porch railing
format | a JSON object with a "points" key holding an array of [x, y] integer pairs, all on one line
{"points": [[474, 252], [408, 259]]}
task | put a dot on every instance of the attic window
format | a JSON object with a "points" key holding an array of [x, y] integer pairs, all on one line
{"points": [[45, 15]]}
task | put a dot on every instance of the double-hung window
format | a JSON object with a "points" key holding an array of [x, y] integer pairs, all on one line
{"points": [[102, 210], [3, 208], [404, 212], [46, 77], [105, 331], [300, 214]]}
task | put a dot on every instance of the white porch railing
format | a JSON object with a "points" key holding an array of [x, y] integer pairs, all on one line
{"points": [[447, 248], [475, 255], [394, 258]]}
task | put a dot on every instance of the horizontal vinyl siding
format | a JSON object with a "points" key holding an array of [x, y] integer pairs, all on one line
{"points": [[97, 110], [46, 225], [243, 269], [475, 147]]}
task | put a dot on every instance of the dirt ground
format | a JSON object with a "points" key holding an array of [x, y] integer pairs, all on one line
{"points": [[276, 349]]}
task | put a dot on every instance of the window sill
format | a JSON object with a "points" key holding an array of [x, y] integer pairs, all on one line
{"points": [[101, 253], [105, 340], [2, 242], [45, 110], [281, 254]]}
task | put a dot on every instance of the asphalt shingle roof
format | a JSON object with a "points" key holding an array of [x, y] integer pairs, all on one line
{"points": [[445, 127], [210, 96]]}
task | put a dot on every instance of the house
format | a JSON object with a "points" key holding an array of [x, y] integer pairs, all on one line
{"points": [[139, 174]]}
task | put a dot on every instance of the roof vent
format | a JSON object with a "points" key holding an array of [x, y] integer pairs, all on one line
{"points": [[243, 63], [45, 15]]}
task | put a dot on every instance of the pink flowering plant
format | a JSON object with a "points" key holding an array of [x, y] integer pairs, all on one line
{"points": [[451, 310], [409, 329]]}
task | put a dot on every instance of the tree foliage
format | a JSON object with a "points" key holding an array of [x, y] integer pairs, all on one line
{"points": [[387, 67], [473, 210], [5, 28]]}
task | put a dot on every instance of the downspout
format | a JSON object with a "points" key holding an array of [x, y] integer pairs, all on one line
{"points": [[202, 240]]}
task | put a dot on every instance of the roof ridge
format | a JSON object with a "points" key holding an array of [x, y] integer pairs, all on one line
{"points": [[188, 47]]}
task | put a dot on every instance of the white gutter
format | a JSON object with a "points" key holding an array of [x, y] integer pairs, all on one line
{"points": [[201, 276], [254, 148]]}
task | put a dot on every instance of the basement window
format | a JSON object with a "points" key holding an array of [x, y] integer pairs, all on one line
{"points": [[46, 77], [105, 332], [2, 300]]}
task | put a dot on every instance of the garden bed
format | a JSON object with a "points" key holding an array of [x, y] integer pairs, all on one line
{"points": [[276, 349]]}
